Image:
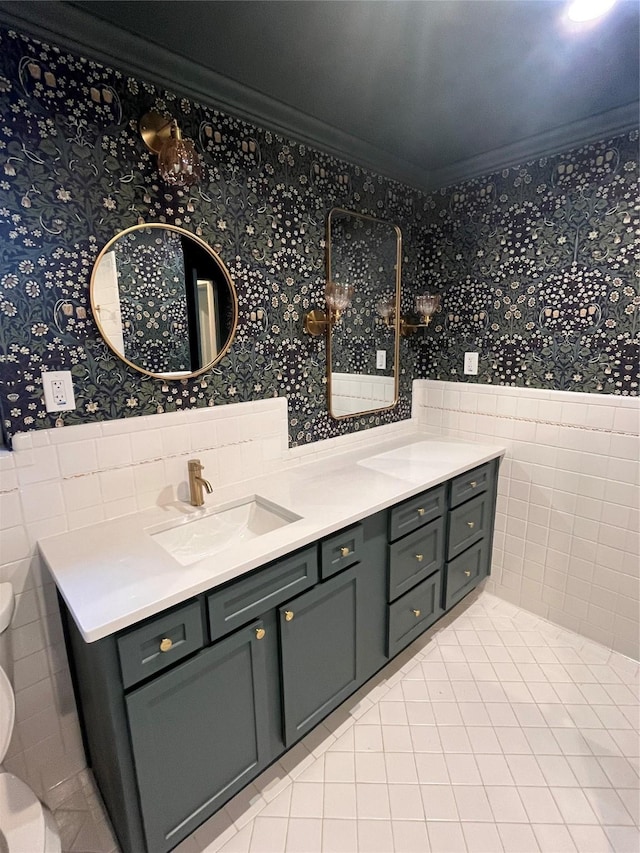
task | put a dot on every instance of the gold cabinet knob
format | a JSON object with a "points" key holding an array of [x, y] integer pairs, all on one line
{"points": [[260, 632], [468, 573], [288, 615], [416, 613], [419, 557], [471, 524], [421, 511], [345, 551], [166, 644], [473, 483]]}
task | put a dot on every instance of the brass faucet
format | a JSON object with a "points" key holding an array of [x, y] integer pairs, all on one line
{"points": [[197, 483]]}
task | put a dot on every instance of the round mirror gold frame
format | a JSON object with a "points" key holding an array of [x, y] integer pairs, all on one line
{"points": [[106, 307]]}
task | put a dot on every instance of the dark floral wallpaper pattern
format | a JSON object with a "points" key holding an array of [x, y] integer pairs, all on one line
{"points": [[540, 269], [538, 264], [153, 303], [74, 172]]}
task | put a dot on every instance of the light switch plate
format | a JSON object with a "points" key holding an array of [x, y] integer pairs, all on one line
{"points": [[381, 359], [58, 391]]}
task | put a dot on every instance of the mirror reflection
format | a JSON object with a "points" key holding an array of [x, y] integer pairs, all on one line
{"points": [[163, 301], [364, 253]]}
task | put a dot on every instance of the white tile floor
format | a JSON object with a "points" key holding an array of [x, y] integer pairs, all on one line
{"points": [[496, 731]]}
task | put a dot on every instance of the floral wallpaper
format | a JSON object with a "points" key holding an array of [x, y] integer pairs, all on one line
{"points": [[151, 285], [537, 264], [539, 268], [74, 172]]}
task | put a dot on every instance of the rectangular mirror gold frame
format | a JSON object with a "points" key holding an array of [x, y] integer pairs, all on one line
{"points": [[365, 253]]}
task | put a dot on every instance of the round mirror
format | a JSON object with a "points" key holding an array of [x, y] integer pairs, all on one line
{"points": [[163, 301]]}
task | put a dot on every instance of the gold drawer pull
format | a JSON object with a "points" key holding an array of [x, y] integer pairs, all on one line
{"points": [[345, 551], [416, 613], [288, 615], [166, 644], [419, 557], [473, 483], [421, 511], [468, 573], [471, 524], [260, 632]]}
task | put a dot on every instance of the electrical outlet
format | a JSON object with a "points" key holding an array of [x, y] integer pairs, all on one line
{"points": [[471, 363], [381, 359], [58, 390]]}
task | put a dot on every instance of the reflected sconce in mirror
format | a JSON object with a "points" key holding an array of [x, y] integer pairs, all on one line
{"points": [[338, 298], [179, 163], [425, 307], [386, 308]]}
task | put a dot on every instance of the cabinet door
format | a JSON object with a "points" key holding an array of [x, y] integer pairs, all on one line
{"points": [[319, 651], [198, 735]]}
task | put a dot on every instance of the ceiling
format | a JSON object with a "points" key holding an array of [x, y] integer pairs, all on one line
{"points": [[424, 91]]}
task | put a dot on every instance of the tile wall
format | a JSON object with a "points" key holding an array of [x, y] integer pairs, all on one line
{"points": [[62, 479], [566, 544]]}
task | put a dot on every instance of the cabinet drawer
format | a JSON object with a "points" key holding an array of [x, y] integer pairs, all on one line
{"points": [[468, 523], [414, 557], [340, 551], [412, 614], [251, 596], [463, 573], [471, 483], [416, 512], [158, 644]]}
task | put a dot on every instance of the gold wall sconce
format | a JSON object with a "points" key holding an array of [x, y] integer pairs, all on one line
{"points": [[179, 163], [338, 298], [426, 306]]}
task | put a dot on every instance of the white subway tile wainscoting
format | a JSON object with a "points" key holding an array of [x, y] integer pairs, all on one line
{"points": [[567, 544]]}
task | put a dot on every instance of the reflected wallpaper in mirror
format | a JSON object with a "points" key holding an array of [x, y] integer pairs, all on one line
{"points": [[163, 300], [363, 350]]}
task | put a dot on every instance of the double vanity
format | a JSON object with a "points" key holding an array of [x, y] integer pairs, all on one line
{"points": [[205, 642]]}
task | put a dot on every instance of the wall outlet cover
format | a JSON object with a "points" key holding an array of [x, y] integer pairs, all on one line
{"points": [[58, 391], [471, 363]]}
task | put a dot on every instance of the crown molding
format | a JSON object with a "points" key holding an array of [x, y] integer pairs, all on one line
{"points": [[608, 124], [72, 28]]}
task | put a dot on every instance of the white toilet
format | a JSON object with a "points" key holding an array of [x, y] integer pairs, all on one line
{"points": [[26, 826]]}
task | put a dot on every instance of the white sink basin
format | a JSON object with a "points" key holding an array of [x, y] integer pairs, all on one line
{"points": [[413, 461], [191, 539]]}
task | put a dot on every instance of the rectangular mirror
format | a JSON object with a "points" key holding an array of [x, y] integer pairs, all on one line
{"points": [[363, 345]]}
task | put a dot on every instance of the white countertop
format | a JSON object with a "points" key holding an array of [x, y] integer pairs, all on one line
{"points": [[113, 574]]}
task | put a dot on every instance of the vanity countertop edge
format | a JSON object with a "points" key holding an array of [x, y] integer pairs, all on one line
{"points": [[112, 574]]}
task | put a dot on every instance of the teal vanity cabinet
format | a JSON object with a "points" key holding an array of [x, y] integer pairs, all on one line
{"points": [[332, 637], [416, 554], [472, 511], [182, 710], [199, 733]]}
